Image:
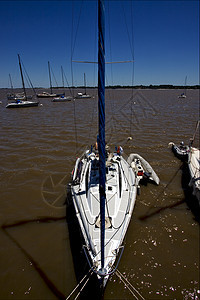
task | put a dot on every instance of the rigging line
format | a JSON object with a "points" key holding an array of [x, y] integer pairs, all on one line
{"points": [[82, 287], [94, 105], [72, 52], [68, 84], [75, 125], [28, 78], [126, 282], [117, 229], [127, 30], [54, 77], [131, 40], [113, 128], [79, 284], [79, 17], [158, 197]]}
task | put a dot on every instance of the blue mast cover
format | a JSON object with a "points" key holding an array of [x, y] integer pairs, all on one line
{"points": [[101, 108]]}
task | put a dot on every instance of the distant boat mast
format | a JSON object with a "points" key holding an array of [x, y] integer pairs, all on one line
{"points": [[62, 76], [11, 82], [50, 77], [185, 83], [22, 77]]}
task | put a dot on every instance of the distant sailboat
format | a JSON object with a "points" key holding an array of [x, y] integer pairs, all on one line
{"points": [[20, 103], [46, 94], [83, 95], [17, 96], [183, 95], [62, 97]]}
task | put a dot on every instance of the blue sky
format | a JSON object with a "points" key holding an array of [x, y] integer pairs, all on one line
{"points": [[162, 36]]}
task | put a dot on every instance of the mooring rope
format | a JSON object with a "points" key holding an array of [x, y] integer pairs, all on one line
{"points": [[82, 288], [88, 274], [130, 287]]}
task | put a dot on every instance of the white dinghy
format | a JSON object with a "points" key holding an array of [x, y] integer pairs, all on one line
{"points": [[142, 168]]}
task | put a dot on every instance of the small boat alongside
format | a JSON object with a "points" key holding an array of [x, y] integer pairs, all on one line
{"points": [[143, 169], [180, 151], [191, 155]]}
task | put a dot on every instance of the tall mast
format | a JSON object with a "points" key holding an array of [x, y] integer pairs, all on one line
{"points": [[11, 82], [50, 77], [62, 76], [185, 84], [85, 83], [20, 67], [101, 109]]}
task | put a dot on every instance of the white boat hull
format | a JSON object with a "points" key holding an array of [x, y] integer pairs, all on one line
{"points": [[46, 95], [21, 104], [62, 99], [121, 193], [194, 169], [19, 97], [82, 96]]}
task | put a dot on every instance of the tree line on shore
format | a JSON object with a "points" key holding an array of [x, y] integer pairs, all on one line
{"points": [[161, 86]]}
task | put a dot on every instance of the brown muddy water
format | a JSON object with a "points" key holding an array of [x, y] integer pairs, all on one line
{"points": [[38, 148]]}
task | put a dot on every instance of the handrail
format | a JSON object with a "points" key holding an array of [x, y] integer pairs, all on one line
{"points": [[94, 267]]}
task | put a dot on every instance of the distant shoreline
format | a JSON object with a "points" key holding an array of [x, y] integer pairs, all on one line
{"points": [[137, 87]]}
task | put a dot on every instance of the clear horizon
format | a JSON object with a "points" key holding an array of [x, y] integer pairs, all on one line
{"points": [[162, 37]]}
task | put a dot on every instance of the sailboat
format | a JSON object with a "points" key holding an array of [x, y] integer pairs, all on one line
{"points": [[83, 95], [46, 94], [183, 95], [18, 96], [62, 97], [191, 155], [24, 102], [103, 188]]}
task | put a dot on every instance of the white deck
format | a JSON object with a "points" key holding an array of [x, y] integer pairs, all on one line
{"points": [[120, 198]]}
